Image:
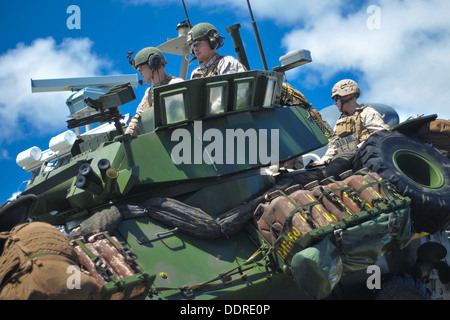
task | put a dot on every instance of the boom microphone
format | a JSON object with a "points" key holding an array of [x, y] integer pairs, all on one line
{"points": [[141, 83]]}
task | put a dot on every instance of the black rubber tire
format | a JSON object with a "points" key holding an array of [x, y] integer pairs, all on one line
{"points": [[402, 287], [417, 170]]}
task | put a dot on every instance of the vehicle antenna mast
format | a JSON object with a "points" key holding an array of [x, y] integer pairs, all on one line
{"points": [[187, 17], [258, 40]]}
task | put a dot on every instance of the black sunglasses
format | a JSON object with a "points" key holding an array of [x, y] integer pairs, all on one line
{"points": [[336, 98]]}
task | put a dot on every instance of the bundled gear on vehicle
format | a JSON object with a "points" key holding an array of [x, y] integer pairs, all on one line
{"points": [[292, 97], [436, 132], [38, 262], [113, 266], [334, 228]]}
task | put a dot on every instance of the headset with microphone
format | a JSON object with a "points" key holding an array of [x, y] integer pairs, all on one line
{"points": [[154, 60], [154, 63], [215, 41]]}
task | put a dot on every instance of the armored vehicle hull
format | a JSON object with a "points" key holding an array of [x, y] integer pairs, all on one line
{"points": [[203, 203]]}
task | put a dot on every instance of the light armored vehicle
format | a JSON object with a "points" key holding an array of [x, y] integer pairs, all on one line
{"points": [[203, 203]]}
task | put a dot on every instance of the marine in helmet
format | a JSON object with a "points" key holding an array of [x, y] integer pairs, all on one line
{"points": [[150, 62], [354, 126], [356, 123], [205, 40]]}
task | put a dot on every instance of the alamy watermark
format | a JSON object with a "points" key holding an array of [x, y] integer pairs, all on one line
{"points": [[235, 147], [373, 22], [374, 280], [74, 20], [74, 280]]}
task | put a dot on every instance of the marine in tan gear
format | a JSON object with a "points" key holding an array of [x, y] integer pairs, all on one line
{"points": [[150, 62], [356, 123], [354, 126], [205, 40]]}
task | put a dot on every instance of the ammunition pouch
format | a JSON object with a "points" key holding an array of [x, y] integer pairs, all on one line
{"points": [[350, 131]]}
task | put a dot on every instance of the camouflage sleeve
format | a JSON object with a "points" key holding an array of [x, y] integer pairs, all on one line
{"points": [[373, 120], [133, 126], [331, 151]]}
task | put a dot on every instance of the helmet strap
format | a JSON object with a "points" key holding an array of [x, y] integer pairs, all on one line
{"points": [[346, 100]]}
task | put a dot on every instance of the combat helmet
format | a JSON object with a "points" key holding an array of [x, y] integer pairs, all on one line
{"points": [[151, 55], [345, 87], [207, 31]]}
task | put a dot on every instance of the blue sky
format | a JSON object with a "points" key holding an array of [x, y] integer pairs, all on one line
{"points": [[396, 50]]}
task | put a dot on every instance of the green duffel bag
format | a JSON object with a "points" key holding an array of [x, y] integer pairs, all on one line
{"points": [[318, 268], [362, 245]]}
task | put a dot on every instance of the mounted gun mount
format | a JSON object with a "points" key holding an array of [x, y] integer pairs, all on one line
{"points": [[107, 107], [89, 89]]}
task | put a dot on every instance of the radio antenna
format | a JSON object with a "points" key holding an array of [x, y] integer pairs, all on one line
{"points": [[258, 40], [187, 17]]}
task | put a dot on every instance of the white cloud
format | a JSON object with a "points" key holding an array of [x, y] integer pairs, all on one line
{"points": [[40, 113], [404, 63]]}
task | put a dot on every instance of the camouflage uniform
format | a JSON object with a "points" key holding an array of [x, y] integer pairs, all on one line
{"points": [[352, 130], [218, 65], [147, 103]]}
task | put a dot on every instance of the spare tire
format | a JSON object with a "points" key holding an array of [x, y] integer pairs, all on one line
{"points": [[417, 170]]}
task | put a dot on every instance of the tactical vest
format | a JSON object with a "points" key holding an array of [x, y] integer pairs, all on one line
{"points": [[350, 131], [210, 71]]}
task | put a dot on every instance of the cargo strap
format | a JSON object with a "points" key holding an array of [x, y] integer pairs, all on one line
{"points": [[392, 229], [352, 194], [124, 251], [225, 278], [330, 195], [134, 283], [98, 262], [387, 187], [304, 214], [61, 254]]}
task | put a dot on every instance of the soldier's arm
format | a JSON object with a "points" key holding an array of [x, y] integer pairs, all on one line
{"points": [[373, 120]]}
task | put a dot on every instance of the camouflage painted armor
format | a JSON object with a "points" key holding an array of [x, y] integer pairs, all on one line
{"points": [[218, 65], [352, 130], [147, 103]]}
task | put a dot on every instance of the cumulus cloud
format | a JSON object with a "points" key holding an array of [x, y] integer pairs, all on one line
{"points": [[397, 50], [24, 113]]}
